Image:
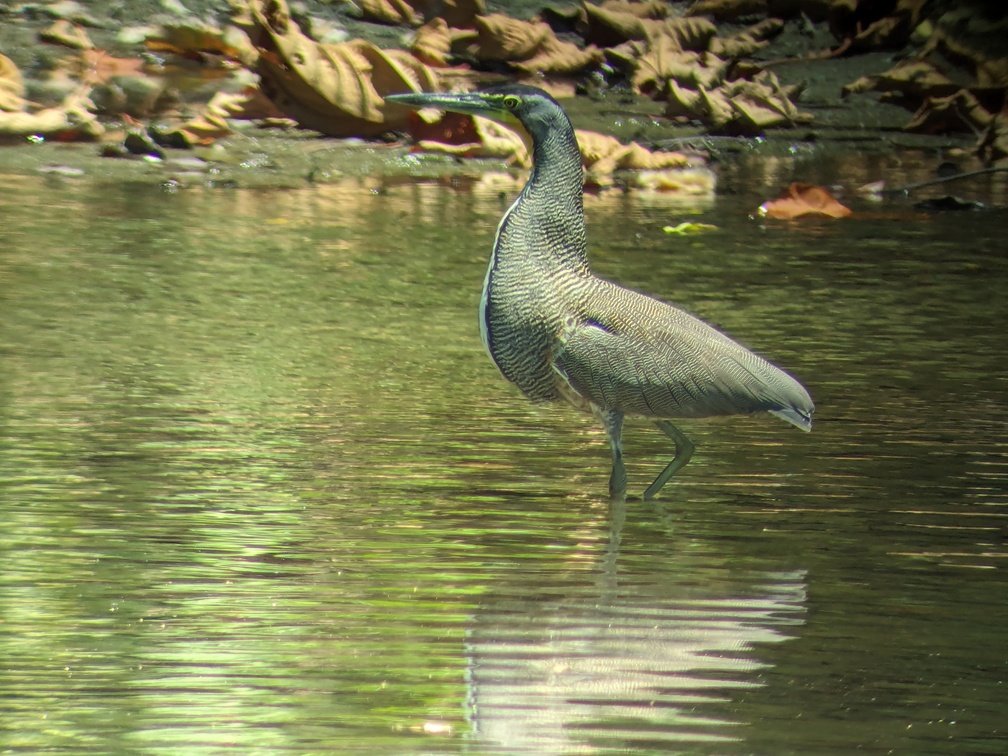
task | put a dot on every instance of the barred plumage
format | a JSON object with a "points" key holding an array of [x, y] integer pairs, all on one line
{"points": [[559, 332]]}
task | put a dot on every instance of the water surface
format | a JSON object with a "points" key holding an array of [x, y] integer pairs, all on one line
{"points": [[262, 491]]}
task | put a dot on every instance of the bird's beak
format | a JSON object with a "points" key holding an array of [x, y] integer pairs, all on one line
{"points": [[472, 103]]}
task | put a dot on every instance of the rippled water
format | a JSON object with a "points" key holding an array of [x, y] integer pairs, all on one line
{"points": [[262, 491]]}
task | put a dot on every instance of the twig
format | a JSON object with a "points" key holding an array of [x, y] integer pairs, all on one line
{"points": [[944, 179]]}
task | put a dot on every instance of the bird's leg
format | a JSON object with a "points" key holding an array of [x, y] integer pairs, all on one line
{"points": [[684, 450], [612, 421]]}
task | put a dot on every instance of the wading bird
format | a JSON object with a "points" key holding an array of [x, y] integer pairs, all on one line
{"points": [[558, 332]]}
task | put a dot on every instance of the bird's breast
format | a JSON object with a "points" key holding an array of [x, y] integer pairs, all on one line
{"points": [[520, 320]]}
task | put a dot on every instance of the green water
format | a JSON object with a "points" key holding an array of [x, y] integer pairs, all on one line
{"points": [[261, 491]]}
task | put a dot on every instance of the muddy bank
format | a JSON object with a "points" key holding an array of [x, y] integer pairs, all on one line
{"points": [[846, 139]]}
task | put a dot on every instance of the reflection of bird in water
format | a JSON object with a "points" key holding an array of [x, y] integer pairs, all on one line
{"points": [[559, 332], [627, 673]]}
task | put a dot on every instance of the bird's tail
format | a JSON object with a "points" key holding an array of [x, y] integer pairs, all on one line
{"points": [[797, 417]]}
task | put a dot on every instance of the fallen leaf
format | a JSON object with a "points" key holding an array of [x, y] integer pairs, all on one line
{"points": [[432, 43], [73, 119], [394, 12], [748, 41], [503, 39], [608, 26], [461, 14], [664, 62], [334, 89], [993, 143], [468, 136], [604, 154], [959, 111], [740, 107], [868, 24], [690, 33], [67, 34], [193, 37], [12, 88], [803, 199], [560, 57], [209, 125], [98, 66], [909, 78]]}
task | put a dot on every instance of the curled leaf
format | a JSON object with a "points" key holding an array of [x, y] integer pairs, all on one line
{"points": [[603, 154], [803, 199], [737, 107], [870, 24], [907, 79], [560, 57], [503, 39], [432, 43], [957, 112], [467, 136], [392, 12], [193, 37], [63, 32], [73, 119], [209, 125], [748, 41], [461, 14], [12, 87], [334, 89]]}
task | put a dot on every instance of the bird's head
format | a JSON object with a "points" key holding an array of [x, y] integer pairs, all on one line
{"points": [[512, 104]]}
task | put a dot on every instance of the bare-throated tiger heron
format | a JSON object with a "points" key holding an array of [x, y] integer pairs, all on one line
{"points": [[557, 331]]}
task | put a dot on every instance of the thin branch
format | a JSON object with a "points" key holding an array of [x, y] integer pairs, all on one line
{"points": [[945, 179]]}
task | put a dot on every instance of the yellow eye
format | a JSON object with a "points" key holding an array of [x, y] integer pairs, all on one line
{"points": [[511, 102]]}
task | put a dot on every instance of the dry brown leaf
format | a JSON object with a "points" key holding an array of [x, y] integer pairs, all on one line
{"points": [[98, 66], [763, 103], [602, 154], [642, 159], [432, 43], [748, 41], [683, 102], [12, 88], [959, 111], [334, 89], [909, 78], [993, 143], [193, 37], [663, 62], [560, 57], [506, 39], [803, 199], [445, 127], [63, 32], [739, 107], [461, 14], [468, 136], [607, 26], [394, 71], [72, 120], [600, 150], [500, 141], [871, 24], [212, 123], [689, 33], [394, 12]]}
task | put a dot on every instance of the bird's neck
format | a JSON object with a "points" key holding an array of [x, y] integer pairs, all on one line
{"points": [[549, 213]]}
